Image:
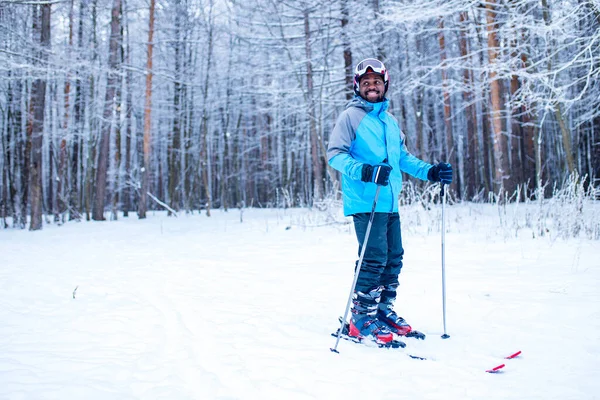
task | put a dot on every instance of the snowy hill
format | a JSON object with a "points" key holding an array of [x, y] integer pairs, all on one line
{"points": [[215, 308]]}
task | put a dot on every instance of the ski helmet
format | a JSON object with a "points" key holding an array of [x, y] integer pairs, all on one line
{"points": [[370, 65]]}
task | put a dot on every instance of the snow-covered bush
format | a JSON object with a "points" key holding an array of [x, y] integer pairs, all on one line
{"points": [[573, 211]]}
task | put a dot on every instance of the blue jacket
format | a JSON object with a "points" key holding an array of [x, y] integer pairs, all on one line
{"points": [[366, 133]]}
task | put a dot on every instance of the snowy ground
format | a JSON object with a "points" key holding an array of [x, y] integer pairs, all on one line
{"points": [[214, 308]]}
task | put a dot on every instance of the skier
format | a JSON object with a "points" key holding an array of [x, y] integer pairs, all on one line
{"points": [[368, 148]]}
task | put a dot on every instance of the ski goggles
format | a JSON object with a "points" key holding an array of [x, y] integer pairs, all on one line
{"points": [[375, 66]]}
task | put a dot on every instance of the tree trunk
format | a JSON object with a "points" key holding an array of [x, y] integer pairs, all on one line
{"points": [[91, 148], [558, 113], [25, 152], [566, 138], [7, 140], [119, 116], [74, 187], [38, 100], [174, 149], [110, 102], [5, 154], [449, 153], [50, 204], [595, 147], [418, 109], [348, 67], [471, 164], [76, 162], [530, 131], [126, 197], [379, 31], [225, 182], [204, 152], [516, 146], [13, 149], [314, 136], [62, 155], [142, 207], [500, 148]]}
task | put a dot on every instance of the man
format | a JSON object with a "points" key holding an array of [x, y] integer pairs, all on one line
{"points": [[368, 148]]}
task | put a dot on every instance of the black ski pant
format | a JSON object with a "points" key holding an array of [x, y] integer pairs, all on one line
{"points": [[383, 257]]}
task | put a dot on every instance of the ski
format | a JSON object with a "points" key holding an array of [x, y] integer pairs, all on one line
{"points": [[394, 344], [514, 355], [415, 334], [499, 367], [495, 369]]}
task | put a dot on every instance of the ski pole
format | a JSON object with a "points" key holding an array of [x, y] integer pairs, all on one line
{"points": [[360, 261], [442, 195]]}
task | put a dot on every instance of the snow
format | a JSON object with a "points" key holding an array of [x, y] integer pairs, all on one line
{"points": [[218, 308]]}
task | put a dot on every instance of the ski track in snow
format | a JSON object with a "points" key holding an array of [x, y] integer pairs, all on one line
{"points": [[211, 308]]}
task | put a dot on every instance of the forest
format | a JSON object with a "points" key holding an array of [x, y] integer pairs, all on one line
{"points": [[115, 106]]}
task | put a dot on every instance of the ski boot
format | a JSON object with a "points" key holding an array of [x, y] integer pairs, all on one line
{"points": [[364, 324], [396, 324]]}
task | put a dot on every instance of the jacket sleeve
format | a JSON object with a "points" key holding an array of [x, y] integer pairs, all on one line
{"points": [[340, 144], [413, 165]]}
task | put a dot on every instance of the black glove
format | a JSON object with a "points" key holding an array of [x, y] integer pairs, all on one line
{"points": [[441, 172], [379, 174]]}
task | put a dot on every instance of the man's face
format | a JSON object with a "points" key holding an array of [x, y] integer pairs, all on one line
{"points": [[372, 88]]}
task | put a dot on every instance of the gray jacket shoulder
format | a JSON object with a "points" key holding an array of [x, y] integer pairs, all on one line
{"points": [[344, 131]]}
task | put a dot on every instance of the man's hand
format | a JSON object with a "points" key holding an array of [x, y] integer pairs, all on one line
{"points": [[441, 172], [379, 174]]}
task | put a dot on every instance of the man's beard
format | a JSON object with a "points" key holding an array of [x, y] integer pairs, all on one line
{"points": [[378, 99]]}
